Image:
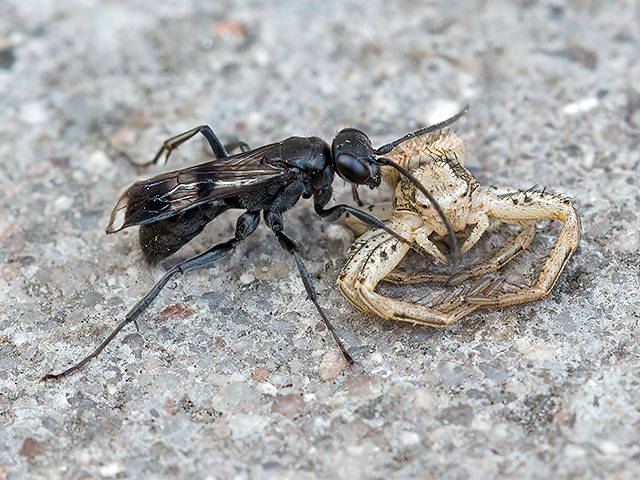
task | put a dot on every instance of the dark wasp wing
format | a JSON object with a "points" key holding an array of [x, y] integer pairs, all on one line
{"points": [[171, 193]]}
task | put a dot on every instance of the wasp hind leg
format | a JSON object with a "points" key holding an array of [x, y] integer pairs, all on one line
{"points": [[246, 225]]}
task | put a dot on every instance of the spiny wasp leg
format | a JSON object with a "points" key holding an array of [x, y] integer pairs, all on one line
{"points": [[246, 225], [174, 142], [276, 223]]}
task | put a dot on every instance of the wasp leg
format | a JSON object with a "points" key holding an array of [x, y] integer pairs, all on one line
{"points": [[276, 223], [335, 212], [171, 144], [382, 211], [246, 225], [237, 144], [230, 147]]}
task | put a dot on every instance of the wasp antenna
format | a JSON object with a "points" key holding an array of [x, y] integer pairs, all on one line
{"points": [[383, 150]]}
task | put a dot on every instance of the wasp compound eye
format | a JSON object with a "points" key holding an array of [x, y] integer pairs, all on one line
{"points": [[352, 169]]}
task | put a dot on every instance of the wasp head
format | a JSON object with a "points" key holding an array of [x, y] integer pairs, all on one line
{"points": [[355, 158]]}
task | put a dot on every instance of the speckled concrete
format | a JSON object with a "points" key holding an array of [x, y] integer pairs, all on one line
{"points": [[232, 374]]}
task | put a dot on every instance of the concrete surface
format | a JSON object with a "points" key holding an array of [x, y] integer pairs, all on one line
{"points": [[232, 374]]}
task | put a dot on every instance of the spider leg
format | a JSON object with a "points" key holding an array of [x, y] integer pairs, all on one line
{"points": [[356, 196], [371, 258], [403, 277], [527, 205], [421, 237], [501, 258], [459, 301], [478, 230]]}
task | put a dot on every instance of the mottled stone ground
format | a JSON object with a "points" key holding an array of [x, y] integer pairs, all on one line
{"points": [[232, 374]]}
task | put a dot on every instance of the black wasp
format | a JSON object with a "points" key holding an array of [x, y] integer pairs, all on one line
{"points": [[172, 208]]}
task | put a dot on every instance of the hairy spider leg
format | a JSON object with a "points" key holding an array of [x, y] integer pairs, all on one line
{"points": [[532, 206], [503, 256], [358, 279]]}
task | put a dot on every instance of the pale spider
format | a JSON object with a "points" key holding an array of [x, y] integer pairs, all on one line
{"points": [[437, 160]]}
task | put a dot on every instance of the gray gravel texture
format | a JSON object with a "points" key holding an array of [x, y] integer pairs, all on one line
{"points": [[232, 374]]}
